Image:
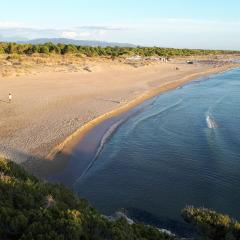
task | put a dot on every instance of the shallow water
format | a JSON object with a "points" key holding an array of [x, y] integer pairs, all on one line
{"points": [[182, 149]]}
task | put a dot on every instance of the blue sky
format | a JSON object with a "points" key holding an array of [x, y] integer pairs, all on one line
{"points": [[169, 23]]}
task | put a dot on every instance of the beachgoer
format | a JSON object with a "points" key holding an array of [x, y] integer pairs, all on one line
{"points": [[9, 97]]}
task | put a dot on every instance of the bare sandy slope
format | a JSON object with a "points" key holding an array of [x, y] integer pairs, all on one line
{"points": [[48, 107]]}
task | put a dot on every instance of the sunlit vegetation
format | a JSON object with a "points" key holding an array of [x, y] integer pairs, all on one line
{"points": [[212, 225], [50, 48]]}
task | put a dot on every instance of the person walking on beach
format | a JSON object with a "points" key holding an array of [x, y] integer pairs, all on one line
{"points": [[9, 97]]}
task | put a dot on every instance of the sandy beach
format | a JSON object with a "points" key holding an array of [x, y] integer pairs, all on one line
{"points": [[51, 110]]}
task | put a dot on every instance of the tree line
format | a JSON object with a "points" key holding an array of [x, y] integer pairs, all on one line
{"points": [[62, 49]]}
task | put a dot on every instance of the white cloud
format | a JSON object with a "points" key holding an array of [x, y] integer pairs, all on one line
{"points": [[104, 28], [168, 32], [85, 34], [78, 34], [18, 31], [67, 34]]}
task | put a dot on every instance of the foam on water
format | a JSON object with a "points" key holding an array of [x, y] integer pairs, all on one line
{"points": [[104, 139], [161, 111], [211, 123]]}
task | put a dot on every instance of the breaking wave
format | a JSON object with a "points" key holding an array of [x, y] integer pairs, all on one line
{"points": [[103, 141], [211, 123], [161, 111]]}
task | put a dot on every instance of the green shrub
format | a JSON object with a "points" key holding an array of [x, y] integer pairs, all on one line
{"points": [[211, 224], [44, 49]]}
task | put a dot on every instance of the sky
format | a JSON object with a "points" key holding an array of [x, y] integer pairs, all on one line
{"points": [[208, 24]]}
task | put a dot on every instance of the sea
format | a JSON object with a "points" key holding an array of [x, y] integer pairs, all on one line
{"points": [[180, 148]]}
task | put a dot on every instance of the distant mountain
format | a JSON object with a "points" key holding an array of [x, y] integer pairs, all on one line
{"points": [[77, 42]]}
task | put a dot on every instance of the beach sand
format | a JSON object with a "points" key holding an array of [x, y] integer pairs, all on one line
{"points": [[51, 110]]}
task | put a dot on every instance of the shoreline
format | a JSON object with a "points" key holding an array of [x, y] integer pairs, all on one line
{"points": [[54, 108], [63, 152]]}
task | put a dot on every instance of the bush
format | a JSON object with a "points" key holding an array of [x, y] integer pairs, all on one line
{"points": [[211, 224], [43, 49]]}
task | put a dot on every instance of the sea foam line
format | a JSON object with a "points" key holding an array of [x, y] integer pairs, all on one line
{"points": [[103, 141], [159, 112]]}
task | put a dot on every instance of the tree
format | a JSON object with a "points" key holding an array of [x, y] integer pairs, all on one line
{"points": [[44, 49], [10, 48], [69, 49]]}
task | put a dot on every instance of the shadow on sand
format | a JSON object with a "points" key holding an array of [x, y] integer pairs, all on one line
{"points": [[42, 168], [3, 101]]}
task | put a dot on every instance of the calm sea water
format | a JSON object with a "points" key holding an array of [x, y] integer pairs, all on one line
{"points": [[182, 148]]}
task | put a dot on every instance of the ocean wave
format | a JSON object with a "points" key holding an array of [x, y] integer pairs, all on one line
{"points": [[103, 141], [145, 118], [211, 123]]}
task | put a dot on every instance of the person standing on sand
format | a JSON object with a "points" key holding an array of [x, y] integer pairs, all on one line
{"points": [[9, 97]]}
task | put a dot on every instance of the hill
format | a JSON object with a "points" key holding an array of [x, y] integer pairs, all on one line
{"points": [[77, 42]]}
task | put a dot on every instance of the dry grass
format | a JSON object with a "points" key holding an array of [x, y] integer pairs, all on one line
{"points": [[18, 65]]}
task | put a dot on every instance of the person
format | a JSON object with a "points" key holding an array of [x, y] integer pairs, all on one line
{"points": [[9, 97]]}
